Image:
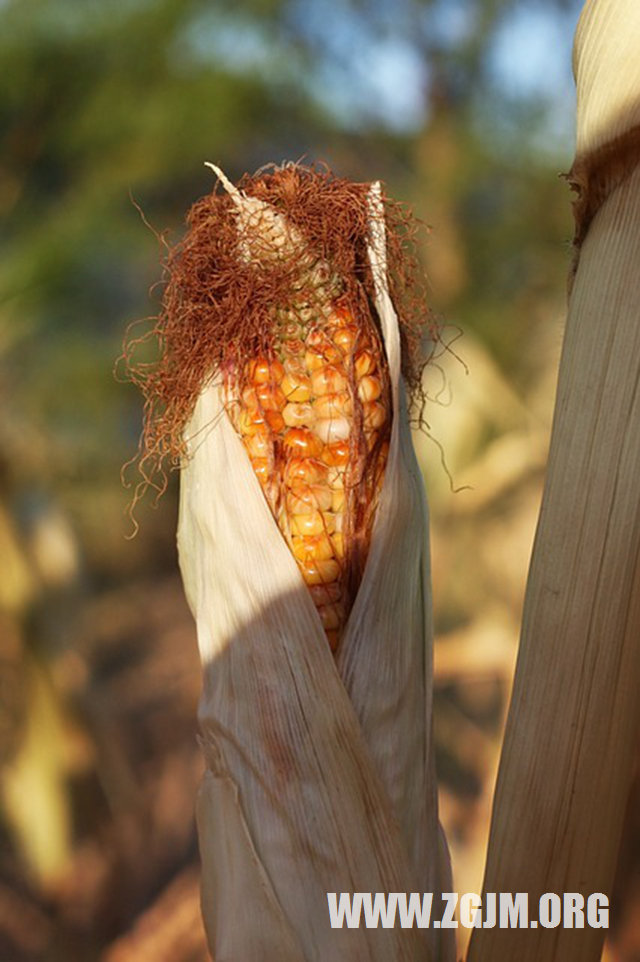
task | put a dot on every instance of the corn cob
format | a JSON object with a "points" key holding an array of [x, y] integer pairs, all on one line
{"points": [[314, 416]]}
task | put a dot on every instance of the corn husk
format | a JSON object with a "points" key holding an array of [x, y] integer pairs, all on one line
{"points": [[319, 771], [574, 720]]}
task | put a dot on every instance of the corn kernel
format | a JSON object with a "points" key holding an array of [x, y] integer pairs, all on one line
{"points": [[375, 415], [345, 338], [320, 344], [336, 453], [313, 361], [337, 540], [333, 405], [261, 469], [364, 363], [320, 572], [326, 594], [259, 443], [331, 430], [335, 477], [312, 523], [296, 387], [292, 348], [330, 616], [263, 371], [305, 498], [275, 421], [302, 443], [369, 388], [317, 548], [297, 415], [264, 397], [307, 470], [328, 380]]}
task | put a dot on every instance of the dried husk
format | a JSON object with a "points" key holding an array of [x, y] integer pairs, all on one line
{"points": [[319, 772], [574, 720]]}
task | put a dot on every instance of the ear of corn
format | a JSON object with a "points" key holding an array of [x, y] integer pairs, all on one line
{"points": [[314, 416], [320, 769]]}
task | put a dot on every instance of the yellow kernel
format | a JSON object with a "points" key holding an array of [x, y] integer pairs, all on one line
{"points": [[296, 387], [335, 477], [312, 523], [320, 572], [369, 388], [328, 380], [333, 405], [364, 363], [337, 540], [337, 500], [375, 414], [331, 430], [306, 498], [302, 443], [307, 470], [345, 338], [247, 421], [313, 361], [317, 548], [296, 415]]}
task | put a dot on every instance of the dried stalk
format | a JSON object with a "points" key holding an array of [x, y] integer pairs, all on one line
{"points": [[575, 714]]}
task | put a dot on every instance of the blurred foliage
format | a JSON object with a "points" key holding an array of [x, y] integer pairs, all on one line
{"points": [[107, 112]]}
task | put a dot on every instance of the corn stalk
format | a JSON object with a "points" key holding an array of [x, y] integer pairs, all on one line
{"points": [[575, 713]]}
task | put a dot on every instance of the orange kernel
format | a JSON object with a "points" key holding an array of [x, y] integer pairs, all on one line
{"points": [[302, 443], [306, 498], [307, 470], [312, 523], [317, 548], [328, 380], [369, 388], [336, 453], [320, 572], [375, 414], [364, 363], [263, 371], [296, 387]]}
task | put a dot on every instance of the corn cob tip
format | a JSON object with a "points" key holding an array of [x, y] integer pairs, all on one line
{"points": [[265, 233], [230, 188]]}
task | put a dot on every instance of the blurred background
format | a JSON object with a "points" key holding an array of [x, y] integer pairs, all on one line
{"points": [[465, 109]]}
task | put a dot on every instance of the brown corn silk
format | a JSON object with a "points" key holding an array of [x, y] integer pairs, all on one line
{"points": [[271, 288]]}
